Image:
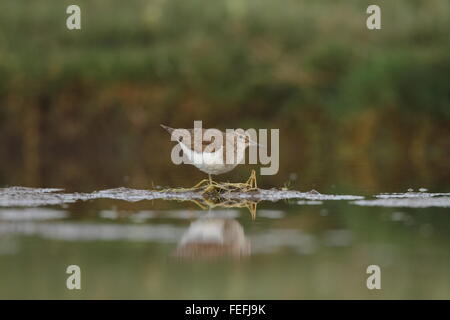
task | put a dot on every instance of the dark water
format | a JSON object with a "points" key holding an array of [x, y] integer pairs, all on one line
{"points": [[133, 244]]}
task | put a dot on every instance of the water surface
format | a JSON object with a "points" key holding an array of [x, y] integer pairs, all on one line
{"points": [[149, 245]]}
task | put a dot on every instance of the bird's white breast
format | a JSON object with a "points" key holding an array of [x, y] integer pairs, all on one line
{"points": [[209, 162], [207, 158]]}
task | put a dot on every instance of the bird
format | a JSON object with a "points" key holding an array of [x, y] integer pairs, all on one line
{"points": [[210, 156]]}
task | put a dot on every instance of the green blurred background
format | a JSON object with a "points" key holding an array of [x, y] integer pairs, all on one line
{"points": [[358, 110]]}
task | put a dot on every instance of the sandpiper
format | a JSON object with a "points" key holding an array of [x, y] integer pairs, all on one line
{"points": [[210, 156]]}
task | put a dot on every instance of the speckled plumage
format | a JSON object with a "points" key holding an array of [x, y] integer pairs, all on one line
{"points": [[209, 156]]}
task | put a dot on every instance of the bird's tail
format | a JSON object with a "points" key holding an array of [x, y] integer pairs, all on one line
{"points": [[168, 129]]}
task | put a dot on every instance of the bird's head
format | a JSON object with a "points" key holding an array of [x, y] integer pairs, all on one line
{"points": [[245, 138]]}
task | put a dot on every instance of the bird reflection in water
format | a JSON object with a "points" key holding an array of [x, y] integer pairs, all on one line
{"points": [[211, 237]]}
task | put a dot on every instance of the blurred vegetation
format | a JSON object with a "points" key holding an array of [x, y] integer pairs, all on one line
{"points": [[311, 68]]}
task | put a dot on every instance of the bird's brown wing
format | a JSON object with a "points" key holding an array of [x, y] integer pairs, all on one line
{"points": [[199, 143], [195, 141]]}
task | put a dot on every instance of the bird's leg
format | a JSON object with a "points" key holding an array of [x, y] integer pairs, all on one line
{"points": [[210, 185], [251, 182], [254, 180]]}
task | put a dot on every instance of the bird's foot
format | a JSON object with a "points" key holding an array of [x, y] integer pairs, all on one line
{"points": [[205, 183], [201, 183], [209, 184]]}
